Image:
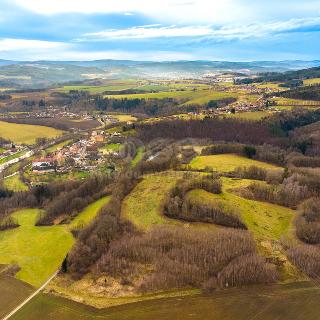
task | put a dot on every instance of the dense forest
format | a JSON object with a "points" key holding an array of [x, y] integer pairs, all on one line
{"points": [[283, 76]]}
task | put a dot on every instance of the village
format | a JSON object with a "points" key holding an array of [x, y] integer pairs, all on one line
{"points": [[85, 154]]}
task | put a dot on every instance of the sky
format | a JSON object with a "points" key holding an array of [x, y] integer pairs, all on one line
{"points": [[233, 30]]}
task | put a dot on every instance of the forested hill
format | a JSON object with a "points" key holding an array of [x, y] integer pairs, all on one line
{"points": [[285, 76]]}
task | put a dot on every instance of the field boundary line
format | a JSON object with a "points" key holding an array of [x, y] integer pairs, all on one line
{"points": [[14, 311]]}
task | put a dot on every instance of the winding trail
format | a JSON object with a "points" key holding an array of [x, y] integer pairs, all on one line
{"points": [[30, 297]]}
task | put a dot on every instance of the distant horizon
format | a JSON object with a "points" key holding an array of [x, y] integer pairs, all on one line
{"points": [[160, 61]]}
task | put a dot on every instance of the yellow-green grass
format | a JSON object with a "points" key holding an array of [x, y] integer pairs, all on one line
{"points": [[284, 108], [295, 102], [39, 251], [45, 178], [25, 133], [124, 117], [265, 220], [138, 157], [144, 205], [156, 87], [311, 81], [110, 147], [98, 89], [271, 85], [191, 97], [227, 162], [255, 116], [89, 213], [58, 146], [204, 96], [15, 184]]}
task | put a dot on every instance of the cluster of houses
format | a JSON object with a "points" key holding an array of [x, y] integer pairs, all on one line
{"points": [[49, 112], [85, 154]]}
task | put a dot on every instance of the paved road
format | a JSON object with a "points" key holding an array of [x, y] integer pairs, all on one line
{"points": [[29, 298], [10, 162]]}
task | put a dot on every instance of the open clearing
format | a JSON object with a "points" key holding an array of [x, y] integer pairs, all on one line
{"points": [[25, 133], [144, 205], [98, 89], [124, 117], [39, 251], [226, 162], [110, 147], [254, 116], [261, 303], [14, 183], [187, 97], [311, 81], [267, 221]]}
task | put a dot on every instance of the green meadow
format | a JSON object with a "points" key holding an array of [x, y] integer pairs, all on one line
{"points": [[39, 251], [226, 162]]}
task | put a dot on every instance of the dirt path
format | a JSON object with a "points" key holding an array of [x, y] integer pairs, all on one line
{"points": [[29, 298]]}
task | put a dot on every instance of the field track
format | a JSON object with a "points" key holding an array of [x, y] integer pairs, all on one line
{"points": [[29, 298]]}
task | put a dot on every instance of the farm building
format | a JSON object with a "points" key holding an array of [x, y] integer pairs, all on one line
{"points": [[44, 165]]}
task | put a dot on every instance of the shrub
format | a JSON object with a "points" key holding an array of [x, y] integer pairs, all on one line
{"points": [[245, 270], [8, 223], [304, 161], [216, 213], [307, 259], [290, 193], [252, 172], [308, 222], [178, 259]]}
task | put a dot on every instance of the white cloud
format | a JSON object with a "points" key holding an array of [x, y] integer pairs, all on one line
{"points": [[224, 33], [183, 11], [124, 55], [177, 11], [9, 44], [31, 50], [154, 31]]}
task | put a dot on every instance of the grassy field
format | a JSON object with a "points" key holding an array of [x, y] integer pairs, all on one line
{"points": [[58, 146], [271, 85], [296, 102], [98, 89], [25, 133], [188, 96], [144, 205], [15, 184], [226, 162], [301, 301], [39, 251], [110, 147], [89, 213], [266, 221], [255, 116], [138, 157], [311, 81], [124, 117]]}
